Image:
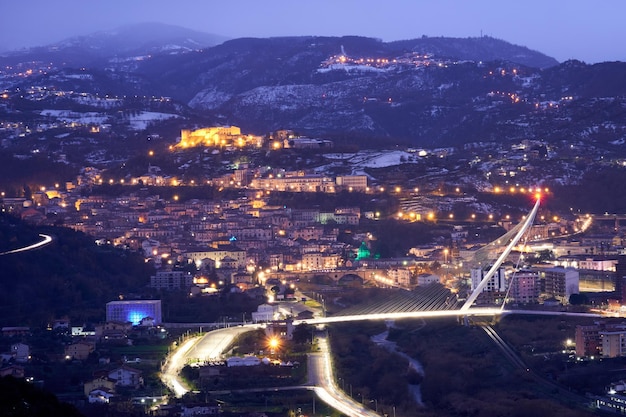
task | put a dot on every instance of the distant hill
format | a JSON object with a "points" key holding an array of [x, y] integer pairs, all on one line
{"points": [[418, 91], [122, 43], [483, 48], [424, 92], [142, 38]]}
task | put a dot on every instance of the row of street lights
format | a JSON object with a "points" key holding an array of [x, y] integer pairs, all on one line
{"points": [[363, 399]]}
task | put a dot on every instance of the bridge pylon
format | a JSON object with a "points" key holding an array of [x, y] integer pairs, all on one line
{"points": [[525, 225]]}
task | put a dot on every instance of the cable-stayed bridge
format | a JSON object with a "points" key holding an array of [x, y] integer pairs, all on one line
{"points": [[436, 300]]}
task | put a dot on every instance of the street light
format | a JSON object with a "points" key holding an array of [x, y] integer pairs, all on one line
{"points": [[273, 343], [375, 403]]}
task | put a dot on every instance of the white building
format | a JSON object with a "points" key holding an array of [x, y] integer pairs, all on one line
{"points": [[497, 283], [320, 261], [100, 396], [126, 376], [560, 282], [217, 255], [427, 279], [21, 352], [264, 312], [400, 276], [354, 182], [613, 343]]}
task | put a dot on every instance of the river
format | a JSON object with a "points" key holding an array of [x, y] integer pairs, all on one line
{"points": [[381, 340]]}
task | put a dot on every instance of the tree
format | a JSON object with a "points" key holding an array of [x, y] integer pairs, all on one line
{"points": [[302, 333], [19, 398], [578, 299]]}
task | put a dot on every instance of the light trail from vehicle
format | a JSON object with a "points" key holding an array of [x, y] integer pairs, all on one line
{"points": [[174, 365], [46, 240], [210, 346]]}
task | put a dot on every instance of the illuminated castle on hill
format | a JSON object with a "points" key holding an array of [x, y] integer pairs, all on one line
{"points": [[218, 137]]}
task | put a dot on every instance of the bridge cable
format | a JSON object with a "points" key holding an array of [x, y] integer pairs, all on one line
{"points": [[514, 276], [483, 283]]}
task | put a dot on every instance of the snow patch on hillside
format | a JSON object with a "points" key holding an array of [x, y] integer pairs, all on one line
{"points": [[375, 159], [76, 117], [351, 68], [144, 119], [103, 103], [209, 99]]}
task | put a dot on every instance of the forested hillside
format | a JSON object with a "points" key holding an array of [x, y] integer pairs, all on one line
{"points": [[71, 277]]}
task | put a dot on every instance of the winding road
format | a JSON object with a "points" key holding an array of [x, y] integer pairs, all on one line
{"points": [[214, 343], [202, 348]]}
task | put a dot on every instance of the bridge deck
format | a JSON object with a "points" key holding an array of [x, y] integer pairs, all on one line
{"points": [[433, 297]]}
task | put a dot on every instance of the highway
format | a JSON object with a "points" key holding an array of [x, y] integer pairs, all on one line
{"points": [[214, 343], [320, 375], [46, 240], [207, 347]]}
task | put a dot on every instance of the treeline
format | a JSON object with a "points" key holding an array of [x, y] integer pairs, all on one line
{"points": [[71, 277], [20, 398], [599, 191], [384, 204], [182, 193], [15, 234], [15, 173]]}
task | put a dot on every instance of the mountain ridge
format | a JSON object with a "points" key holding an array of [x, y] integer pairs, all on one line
{"points": [[331, 86], [95, 48]]}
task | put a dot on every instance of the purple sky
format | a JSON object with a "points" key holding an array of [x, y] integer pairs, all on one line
{"points": [[591, 31]]}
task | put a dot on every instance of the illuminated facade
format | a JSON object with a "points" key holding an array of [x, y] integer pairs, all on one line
{"points": [[221, 136], [238, 256], [319, 261], [134, 311], [354, 182], [613, 343], [295, 183]]}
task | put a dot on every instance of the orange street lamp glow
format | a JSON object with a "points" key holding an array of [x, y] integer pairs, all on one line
{"points": [[273, 342]]}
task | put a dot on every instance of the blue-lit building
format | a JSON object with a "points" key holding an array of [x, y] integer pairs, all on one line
{"points": [[134, 310]]}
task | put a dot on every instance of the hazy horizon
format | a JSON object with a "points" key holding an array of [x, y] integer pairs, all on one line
{"points": [[564, 30]]}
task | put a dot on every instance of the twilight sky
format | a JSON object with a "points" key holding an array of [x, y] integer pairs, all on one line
{"points": [[591, 31]]}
